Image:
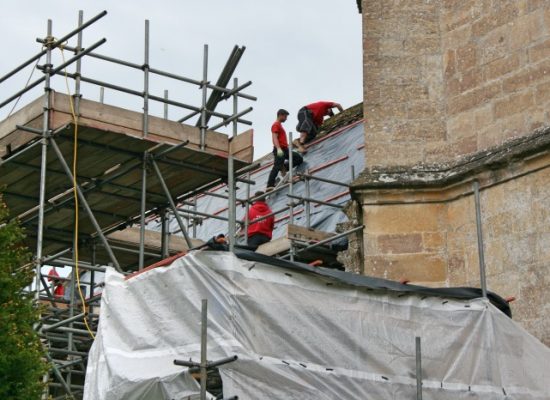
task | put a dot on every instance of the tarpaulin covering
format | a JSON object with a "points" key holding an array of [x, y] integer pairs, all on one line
{"points": [[303, 335]]}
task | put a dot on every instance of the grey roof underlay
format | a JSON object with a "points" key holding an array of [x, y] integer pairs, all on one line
{"points": [[331, 156]]}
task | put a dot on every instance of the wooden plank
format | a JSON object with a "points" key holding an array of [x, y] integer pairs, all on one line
{"points": [[242, 147], [274, 247], [120, 120], [130, 236], [22, 117], [307, 234]]}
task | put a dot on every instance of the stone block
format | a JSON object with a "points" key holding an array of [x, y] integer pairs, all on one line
{"points": [[528, 76], [449, 63], [498, 17], [540, 51], [400, 244], [457, 37], [466, 57], [405, 218], [474, 98], [514, 103], [494, 45], [456, 269], [420, 130], [496, 69], [434, 241], [525, 30], [423, 267]]}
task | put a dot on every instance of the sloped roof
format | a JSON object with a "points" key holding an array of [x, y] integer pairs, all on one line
{"points": [[338, 147]]}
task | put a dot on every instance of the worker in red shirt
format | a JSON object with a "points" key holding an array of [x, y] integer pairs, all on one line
{"points": [[280, 149], [310, 118], [58, 289], [259, 232]]}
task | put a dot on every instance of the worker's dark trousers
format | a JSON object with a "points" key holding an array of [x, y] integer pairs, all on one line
{"points": [[256, 240], [279, 162]]}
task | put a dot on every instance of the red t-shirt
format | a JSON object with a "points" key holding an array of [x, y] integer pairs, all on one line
{"points": [[319, 110], [277, 128]]}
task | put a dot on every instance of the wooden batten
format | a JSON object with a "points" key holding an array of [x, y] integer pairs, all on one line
{"points": [[130, 237], [307, 234]]}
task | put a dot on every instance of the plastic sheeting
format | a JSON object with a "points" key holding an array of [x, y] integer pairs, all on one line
{"points": [[301, 335], [343, 146]]}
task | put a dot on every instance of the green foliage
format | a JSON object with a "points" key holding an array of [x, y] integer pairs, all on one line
{"points": [[21, 356]]}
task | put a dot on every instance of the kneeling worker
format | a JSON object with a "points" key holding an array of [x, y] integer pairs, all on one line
{"points": [[259, 232], [310, 118]]}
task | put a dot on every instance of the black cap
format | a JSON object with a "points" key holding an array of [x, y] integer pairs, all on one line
{"points": [[282, 111]]}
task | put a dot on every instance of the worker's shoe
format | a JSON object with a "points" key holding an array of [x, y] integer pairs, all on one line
{"points": [[299, 146]]}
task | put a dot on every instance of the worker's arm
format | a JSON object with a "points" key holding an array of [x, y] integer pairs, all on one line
{"points": [[277, 145], [338, 106]]}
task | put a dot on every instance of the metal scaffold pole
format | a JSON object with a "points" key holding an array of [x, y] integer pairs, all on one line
{"points": [[290, 190], [142, 211], [146, 82], [231, 176], [204, 84], [204, 338], [418, 368], [481, 252], [44, 157]]}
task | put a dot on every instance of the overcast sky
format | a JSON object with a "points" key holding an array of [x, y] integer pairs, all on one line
{"points": [[297, 51]]}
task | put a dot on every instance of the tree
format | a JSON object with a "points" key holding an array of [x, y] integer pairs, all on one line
{"points": [[21, 356]]}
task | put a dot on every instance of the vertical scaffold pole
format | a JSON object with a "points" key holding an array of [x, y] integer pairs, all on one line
{"points": [[204, 94], [418, 369], [142, 211], [480, 249], [247, 208], [204, 337], [308, 204], [165, 232], [165, 104], [146, 82], [44, 157], [231, 173], [290, 190]]}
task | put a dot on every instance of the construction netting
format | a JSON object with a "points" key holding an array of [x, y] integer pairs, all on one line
{"points": [[303, 335]]}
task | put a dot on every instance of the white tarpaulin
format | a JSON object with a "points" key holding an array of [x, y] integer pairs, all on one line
{"points": [[299, 335]]}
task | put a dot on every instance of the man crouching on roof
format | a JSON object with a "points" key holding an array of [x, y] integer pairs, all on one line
{"points": [[280, 149], [310, 118]]}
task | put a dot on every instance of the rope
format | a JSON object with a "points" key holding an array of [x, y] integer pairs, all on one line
{"points": [[26, 84], [75, 193]]}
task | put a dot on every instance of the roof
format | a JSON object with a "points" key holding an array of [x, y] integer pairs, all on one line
{"points": [[337, 149]]}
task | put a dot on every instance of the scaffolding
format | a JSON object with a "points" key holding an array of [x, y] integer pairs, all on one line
{"points": [[154, 167]]}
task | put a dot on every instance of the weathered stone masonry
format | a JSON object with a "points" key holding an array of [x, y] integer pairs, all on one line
{"points": [[457, 91]]}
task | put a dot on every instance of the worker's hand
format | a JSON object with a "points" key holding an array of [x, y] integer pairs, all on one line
{"points": [[280, 152]]}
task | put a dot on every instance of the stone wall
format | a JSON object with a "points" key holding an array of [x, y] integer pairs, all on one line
{"points": [[516, 233], [403, 79], [496, 62], [420, 225], [445, 78]]}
